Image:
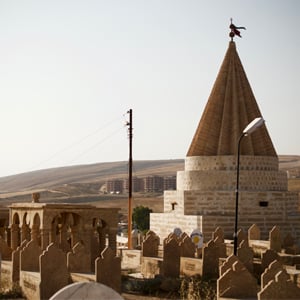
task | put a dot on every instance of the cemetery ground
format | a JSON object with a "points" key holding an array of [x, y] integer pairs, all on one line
{"points": [[168, 288]]}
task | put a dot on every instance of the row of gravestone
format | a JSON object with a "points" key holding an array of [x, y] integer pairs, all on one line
{"points": [[235, 281], [236, 275], [151, 242], [275, 241], [55, 266], [175, 247]]}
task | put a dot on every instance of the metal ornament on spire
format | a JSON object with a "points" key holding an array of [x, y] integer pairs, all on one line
{"points": [[234, 30]]}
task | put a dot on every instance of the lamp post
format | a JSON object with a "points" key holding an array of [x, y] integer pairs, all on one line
{"points": [[251, 127]]}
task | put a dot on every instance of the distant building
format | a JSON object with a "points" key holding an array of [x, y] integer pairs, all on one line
{"points": [[137, 184], [115, 186], [148, 184], [169, 183], [153, 184]]}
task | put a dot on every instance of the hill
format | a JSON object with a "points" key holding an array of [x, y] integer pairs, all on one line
{"points": [[82, 183], [78, 183]]}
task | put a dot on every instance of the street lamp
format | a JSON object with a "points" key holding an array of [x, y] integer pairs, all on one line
{"points": [[251, 127]]}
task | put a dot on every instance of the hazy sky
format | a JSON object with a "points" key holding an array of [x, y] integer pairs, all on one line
{"points": [[70, 70]]}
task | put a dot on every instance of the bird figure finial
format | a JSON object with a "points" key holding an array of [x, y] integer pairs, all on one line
{"points": [[234, 30]]}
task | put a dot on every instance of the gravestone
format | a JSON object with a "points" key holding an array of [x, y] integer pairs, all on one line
{"points": [[228, 263], [237, 282], [245, 255], [108, 269], [280, 288], [187, 247], [53, 271], [270, 272], [289, 245], [79, 260], [288, 241], [241, 236], [171, 258], [171, 236], [15, 270], [254, 232], [5, 250], [218, 233], [219, 242], [95, 246], [150, 245], [210, 256], [268, 257], [275, 239], [30, 257], [182, 236]]}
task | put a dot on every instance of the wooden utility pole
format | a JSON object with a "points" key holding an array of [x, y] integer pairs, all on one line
{"points": [[129, 124]]}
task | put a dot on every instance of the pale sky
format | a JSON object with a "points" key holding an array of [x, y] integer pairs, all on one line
{"points": [[71, 69]]}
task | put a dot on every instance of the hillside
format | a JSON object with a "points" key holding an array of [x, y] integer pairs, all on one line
{"points": [[78, 183], [82, 183]]}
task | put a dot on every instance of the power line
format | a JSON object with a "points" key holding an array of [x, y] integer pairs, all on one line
{"points": [[95, 145], [78, 142]]}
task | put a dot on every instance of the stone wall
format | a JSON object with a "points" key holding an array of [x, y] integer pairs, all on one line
{"points": [[228, 162], [219, 173], [164, 223], [277, 204]]}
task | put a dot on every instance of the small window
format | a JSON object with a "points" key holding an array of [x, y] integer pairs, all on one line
{"points": [[173, 205], [263, 203]]}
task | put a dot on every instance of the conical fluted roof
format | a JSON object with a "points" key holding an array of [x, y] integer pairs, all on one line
{"points": [[230, 108]]}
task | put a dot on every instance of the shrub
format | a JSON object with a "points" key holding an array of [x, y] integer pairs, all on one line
{"points": [[14, 293], [196, 288]]}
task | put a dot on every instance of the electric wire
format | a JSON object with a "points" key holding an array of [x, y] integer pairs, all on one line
{"points": [[12, 178], [94, 146], [72, 145]]}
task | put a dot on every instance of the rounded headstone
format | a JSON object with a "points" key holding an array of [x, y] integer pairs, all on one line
{"points": [[85, 291]]}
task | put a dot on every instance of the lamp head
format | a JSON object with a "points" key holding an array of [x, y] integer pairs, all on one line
{"points": [[252, 126]]}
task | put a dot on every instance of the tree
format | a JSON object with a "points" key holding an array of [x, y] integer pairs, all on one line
{"points": [[141, 217]]}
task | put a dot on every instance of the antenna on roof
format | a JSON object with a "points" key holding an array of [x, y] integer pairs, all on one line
{"points": [[234, 30]]}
